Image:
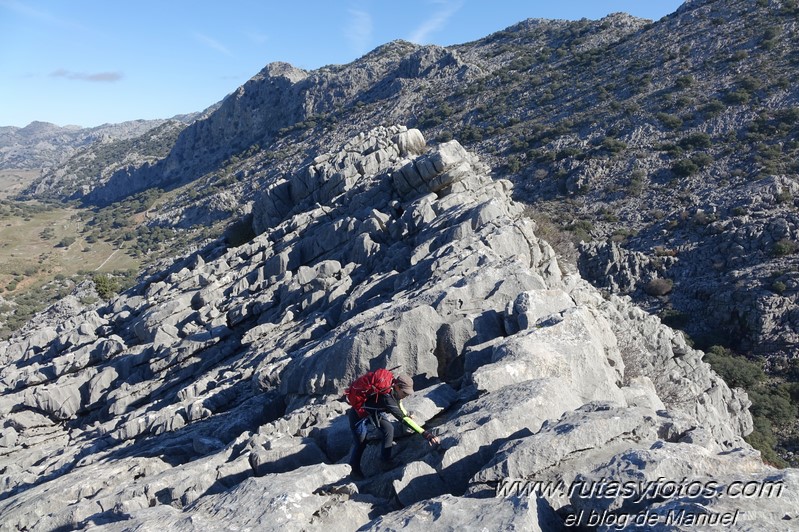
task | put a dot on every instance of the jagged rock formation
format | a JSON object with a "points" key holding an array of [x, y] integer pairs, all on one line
{"points": [[208, 398], [282, 97]]}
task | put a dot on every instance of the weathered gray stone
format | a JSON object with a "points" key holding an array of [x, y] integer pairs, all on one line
{"points": [[419, 481], [736, 501], [576, 348], [641, 392], [561, 448], [479, 427], [410, 142], [283, 502], [285, 454], [448, 155], [448, 512], [532, 306], [8, 437], [233, 365], [664, 467], [406, 338]]}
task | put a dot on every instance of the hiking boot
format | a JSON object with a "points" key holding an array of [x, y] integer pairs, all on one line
{"points": [[385, 454]]}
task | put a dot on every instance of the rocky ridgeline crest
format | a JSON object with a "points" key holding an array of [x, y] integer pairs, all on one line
{"points": [[284, 98], [209, 398]]}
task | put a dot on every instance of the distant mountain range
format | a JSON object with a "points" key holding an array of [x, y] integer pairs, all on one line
{"points": [[43, 145]]}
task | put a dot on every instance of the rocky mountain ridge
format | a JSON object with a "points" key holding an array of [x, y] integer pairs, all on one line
{"points": [[208, 397], [610, 128], [41, 145], [93, 165]]}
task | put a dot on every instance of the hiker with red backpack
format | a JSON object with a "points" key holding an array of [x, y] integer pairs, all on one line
{"points": [[373, 398]]}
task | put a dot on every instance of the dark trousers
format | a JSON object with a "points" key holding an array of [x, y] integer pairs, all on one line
{"points": [[359, 440]]}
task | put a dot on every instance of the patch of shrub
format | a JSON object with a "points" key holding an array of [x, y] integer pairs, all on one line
{"points": [[762, 438], [105, 285], [737, 371], [737, 97], [784, 247], [778, 287], [674, 318], [636, 186], [66, 242], [684, 168], [713, 108], [659, 287], [695, 141], [513, 165], [669, 120], [581, 229], [240, 232], [793, 370], [613, 145], [560, 240], [784, 196], [773, 403], [683, 82], [444, 136], [739, 55], [701, 159]]}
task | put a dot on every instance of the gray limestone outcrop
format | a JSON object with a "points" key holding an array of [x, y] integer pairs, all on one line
{"points": [[208, 397], [748, 245]]}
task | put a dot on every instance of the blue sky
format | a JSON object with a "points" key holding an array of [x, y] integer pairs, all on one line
{"points": [[89, 62]]}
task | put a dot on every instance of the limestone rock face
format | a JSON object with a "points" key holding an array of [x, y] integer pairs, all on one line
{"points": [[758, 317], [209, 396]]}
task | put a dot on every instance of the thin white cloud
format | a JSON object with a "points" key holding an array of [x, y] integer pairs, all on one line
{"points": [[436, 21], [359, 31], [46, 17], [102, 77], [213, 44]]}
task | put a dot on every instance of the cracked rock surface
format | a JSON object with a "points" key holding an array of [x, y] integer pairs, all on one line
{"points": [[208, 396]]}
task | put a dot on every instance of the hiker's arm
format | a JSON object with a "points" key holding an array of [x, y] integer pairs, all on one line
{"points": [[412, 424], [432, 440], [396, 410]]}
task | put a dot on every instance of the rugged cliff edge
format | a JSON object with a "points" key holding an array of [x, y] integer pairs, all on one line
{"points": [[208, 398]]}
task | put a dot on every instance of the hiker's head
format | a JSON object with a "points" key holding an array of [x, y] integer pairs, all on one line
{"points": [[403, 385]]}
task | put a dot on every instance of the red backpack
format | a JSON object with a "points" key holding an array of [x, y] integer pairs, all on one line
{"points": [[377, 382]]}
